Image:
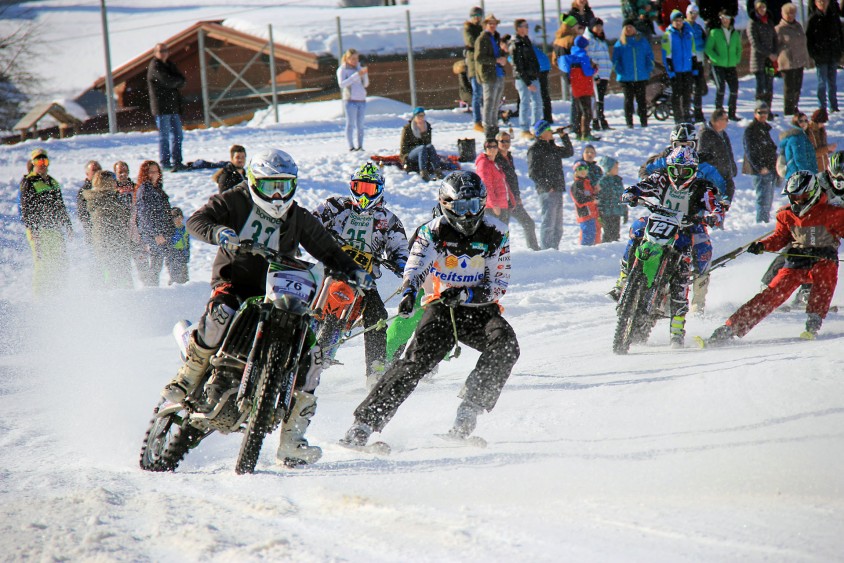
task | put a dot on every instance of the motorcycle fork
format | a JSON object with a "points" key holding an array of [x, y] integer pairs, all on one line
{"points": [[247, 381]]}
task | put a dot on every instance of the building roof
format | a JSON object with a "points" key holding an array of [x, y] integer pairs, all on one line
{"points": [[299, 60]]}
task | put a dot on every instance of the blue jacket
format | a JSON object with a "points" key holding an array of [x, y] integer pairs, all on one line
{"points": [[544, 61], [634, 61], [700, 36], [798, 151], [579, 56], [678, 49]]}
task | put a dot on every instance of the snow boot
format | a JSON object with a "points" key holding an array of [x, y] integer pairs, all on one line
{"points": [[813, 325], [466, 419], [596, 125], [357, 435], [678, 332], [479, 127], [605, 124], [196, 363], [293, 448], [721, 335]]}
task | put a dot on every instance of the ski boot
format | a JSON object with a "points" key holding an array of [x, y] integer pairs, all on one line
{"points": [[802, 298], [196, 363], [813, 325], [678, 333], [721, 335], [293, 448], [357, 435], [466, 419]]}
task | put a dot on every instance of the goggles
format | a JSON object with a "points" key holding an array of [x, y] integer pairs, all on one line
{"points": [[41, 160], [682, 172], [276, 188], [799, 198], [692, 144], [461, 207], [362, 187]]}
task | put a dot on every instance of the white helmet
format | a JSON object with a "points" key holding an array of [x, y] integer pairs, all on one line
{"points": [[272, 177]]}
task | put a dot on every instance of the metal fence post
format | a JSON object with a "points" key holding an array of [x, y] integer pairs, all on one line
{"points": [[112, 113], [545, 27], [203, 79], [410, 68], [273, 73], [339, 40]]}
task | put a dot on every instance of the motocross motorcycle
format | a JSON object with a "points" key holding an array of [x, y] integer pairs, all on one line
{"points": [[646, 295], [249, 385]]}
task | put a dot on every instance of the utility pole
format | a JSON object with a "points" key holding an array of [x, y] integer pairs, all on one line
{"points": [[112, 113], [410, 66]]}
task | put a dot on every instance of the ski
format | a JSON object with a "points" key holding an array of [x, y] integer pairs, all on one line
{"points": [[474, 441], [375, 448], [700, 341]]}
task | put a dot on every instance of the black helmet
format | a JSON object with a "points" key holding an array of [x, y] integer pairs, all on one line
{"points": [[462, 200], [685, 134], [803, 191]]}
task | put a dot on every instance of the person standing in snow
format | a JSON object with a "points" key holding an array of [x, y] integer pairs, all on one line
{"points": [[490, 58], [473, 251], [526, 78], [504, 159], [353, 79], [813, 228], [680, 56], [47, 223], [91, 168], [545, 168], [109, 223], [154, 222], [165, 103], [472, 28]]}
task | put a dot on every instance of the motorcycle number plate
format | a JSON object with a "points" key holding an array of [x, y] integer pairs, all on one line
{"points": [[662, 227], [296, 283], [362, 259]]}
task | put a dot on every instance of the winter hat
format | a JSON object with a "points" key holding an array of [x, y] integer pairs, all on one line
{"points": [[580, 164], [570, 21], [676, 14], [598, 21], [541, 127], [692, 9], [607, 163], [628, 21], [581, 42], [491, 18], [820, 116], [760, 104], [476, 12], [417, 110], [36, 153]]}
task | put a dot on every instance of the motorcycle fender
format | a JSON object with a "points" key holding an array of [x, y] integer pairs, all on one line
{"points": [[650, 255]]}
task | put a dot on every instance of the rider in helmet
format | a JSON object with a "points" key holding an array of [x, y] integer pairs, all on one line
{"points": [[363, 221], [832, 179], [262, 209], [679, 187], [472, 251], [813, 227]]}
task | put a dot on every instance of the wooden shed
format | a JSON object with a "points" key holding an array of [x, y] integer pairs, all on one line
{"points": [[28, 125], [237, 79]]}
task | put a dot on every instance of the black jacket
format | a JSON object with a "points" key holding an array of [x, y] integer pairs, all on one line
{"points": [[41, 203], [824, 36], [545, 165], [246, 272], [760, 150], [719, 146], [164, 81], [82, 210], [228, 177], [525, 63], [154, 217], [509, 168]]}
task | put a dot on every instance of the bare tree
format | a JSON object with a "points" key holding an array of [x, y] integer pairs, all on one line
{"points": [[18, 46]]}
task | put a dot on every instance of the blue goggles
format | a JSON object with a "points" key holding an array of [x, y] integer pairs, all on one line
{"points": [[461, 207], [276, 188]]}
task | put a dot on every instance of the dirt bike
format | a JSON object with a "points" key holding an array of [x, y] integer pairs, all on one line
{"points": [[249, 385], [646, 295]]}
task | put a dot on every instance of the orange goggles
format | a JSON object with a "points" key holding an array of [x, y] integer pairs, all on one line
{"points": [[360, 187], [41, 160]]}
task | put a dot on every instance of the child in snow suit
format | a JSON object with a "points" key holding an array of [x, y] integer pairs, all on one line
{"points": [[588, 156], [814, 228], [180, 249], [474, 252], [580, 70], [610, 208], [366, 225], [585, 203]]}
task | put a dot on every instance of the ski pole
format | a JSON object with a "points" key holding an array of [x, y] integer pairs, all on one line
{"points": [[393, 294], [456, 353]]}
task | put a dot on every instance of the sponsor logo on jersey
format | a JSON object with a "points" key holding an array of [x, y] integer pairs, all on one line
{"points": [[480, 246], [381, 225], [451, 262], [476, 262], [454, 277]]}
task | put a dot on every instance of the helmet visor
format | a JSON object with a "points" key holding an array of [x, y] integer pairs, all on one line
{"points": [[838, 180], [362, 187], [799, 198], [461, 207], [276, 188], [680, 172]]}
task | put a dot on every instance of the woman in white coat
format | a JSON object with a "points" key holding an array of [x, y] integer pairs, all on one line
{"points": [[353, 80]]}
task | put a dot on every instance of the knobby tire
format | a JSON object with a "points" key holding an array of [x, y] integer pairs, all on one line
{"points": [[628, 310], [168, 439]]}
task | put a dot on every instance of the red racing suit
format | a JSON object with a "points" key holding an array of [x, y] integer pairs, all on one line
{"points": [[813, 259]]}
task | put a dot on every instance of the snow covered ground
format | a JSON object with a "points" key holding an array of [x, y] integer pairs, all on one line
{"points": [[662, 455]]}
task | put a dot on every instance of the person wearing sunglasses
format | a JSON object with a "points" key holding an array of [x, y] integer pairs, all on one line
{"points": [[795, 151], [499, 197], [678, 187], [47, 222], [760, 159], [472, 257], [363, 221], [814, 229], [261, 209]]}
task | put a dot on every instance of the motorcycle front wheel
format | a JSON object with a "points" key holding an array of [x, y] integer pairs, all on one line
{"points": [[628, 311], [168, 439]]}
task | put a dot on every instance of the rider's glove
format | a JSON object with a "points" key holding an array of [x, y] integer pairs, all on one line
{"points": [[456, 296], [408, 300], [756, 247], [363, 280], [227, 239], [712, 220], [630, 199]]}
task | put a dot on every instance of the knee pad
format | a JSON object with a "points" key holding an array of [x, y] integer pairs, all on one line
{"points": [[214, 324]]}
